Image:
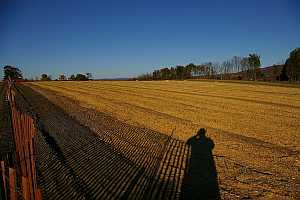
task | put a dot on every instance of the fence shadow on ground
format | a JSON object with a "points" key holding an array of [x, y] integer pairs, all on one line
{"points": [[200, 181], [75, 162]]}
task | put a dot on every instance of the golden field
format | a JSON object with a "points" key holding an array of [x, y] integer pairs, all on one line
{"points": [[255, 127], [263, 112]]}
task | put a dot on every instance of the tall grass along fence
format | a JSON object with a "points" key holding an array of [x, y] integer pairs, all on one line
{"points": [[21, 181]]}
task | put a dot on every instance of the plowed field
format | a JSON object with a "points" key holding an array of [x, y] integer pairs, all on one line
{"points": [[254, 130]]}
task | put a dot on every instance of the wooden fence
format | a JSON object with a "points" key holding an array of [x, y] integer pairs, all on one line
{"points": [[24, 131]]}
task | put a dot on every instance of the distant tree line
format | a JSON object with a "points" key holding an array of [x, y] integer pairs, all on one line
{"points": [[80, 77], [62, 77], [239, 68], [15, 74], [229, 69]]}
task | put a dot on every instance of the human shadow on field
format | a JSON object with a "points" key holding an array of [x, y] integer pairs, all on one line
{"points": [[200, 181]]}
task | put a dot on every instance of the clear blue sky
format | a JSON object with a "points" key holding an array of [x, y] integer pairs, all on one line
{"points": [[125, 38]]}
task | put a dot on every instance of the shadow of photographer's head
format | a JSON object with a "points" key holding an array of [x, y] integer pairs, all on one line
{"points": [[201, 133]]}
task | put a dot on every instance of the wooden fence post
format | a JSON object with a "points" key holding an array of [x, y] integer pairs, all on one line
{"points": [[25, 188], [3, 178], [12, 184], [38, 194]]}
